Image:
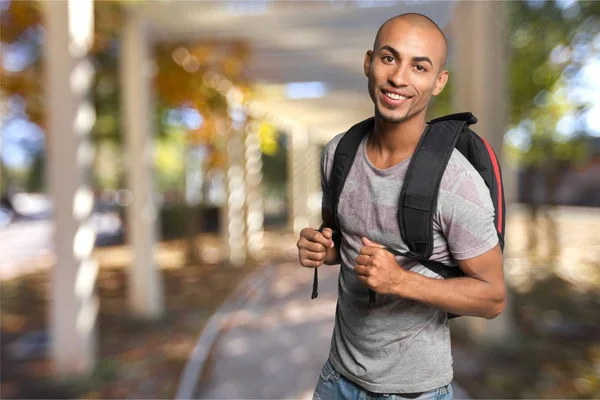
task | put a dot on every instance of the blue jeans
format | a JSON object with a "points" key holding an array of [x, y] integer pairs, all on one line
{"points": [[333, 386]]}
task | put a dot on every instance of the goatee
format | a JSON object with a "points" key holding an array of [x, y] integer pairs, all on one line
{"points": [[390, 119]]}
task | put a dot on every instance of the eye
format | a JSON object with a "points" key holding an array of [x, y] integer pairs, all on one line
{"points": [[421, 68], [388, 59]]}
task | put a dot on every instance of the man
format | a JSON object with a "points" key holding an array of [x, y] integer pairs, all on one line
{"points": [[400, 347]]}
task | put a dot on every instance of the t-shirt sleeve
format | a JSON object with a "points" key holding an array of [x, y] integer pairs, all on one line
{"points": [[326, 166], [324, 179], [466, 212]]}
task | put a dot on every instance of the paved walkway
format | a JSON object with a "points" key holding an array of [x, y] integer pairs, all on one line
{"points": [[273, 344]]}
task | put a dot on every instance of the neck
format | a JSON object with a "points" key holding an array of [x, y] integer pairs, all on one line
{"points": [[393, 142]]}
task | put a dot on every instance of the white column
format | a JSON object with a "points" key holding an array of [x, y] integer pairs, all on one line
{"points": [[70, 75], [297, 182], [136, 70], [479, 74], [233, 218], [254, 203]]}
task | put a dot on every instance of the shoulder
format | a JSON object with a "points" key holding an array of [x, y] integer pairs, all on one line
{"points": [[465, 210], [329, 153], [459, 168], [330, 147], [462, 180], [459, 162]]}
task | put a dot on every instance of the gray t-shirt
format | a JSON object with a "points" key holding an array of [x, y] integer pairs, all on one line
{"points": [[400, 345]]}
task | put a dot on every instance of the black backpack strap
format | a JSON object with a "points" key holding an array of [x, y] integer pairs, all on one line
{"points": [[467, 117], [418, 198], [342, 163], [441, 269], [315, 289]]}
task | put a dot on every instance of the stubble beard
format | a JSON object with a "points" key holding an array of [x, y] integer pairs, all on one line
{"points": [[389, 118]]}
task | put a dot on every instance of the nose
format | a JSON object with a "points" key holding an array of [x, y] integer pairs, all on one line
{"points": [[398, 76]]}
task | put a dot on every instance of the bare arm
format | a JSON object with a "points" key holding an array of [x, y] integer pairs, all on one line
{"points": [[481, 293]]}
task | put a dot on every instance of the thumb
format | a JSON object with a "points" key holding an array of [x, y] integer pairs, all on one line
{"points": [[368, 242], [328, 234]]}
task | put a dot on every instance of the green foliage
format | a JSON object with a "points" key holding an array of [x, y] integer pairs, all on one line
{"points": [[170, 160], [533, 34], [535, 30], [275, 169], [3, 179], [35, 180], [539, 81], [178, 83]]}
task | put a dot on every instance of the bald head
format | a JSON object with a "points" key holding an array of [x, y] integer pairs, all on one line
{"points": [[413, 20]]}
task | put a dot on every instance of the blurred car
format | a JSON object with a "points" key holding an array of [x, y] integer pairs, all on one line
{"points": [[31, 205]]}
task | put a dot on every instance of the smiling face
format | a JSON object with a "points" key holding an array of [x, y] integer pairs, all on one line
{"points": [[405, 68]]}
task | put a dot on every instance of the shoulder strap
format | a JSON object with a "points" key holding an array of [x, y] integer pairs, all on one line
{"points": [[418, 198], [342, 162]]}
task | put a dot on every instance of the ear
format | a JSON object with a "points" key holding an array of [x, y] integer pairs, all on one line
{"points": [[440, 83], [368, 59]]}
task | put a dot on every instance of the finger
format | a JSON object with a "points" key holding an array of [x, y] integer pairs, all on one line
{"points": [[313, 247], [370, 251], [307, 232], [310, 263], [310, 235], [318, 237], [368, 242], [361, 270], [328, 234], [363, 260], [314, 256], [363, 279]]}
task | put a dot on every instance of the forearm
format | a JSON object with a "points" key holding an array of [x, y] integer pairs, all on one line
{"points": [[461, 296]]}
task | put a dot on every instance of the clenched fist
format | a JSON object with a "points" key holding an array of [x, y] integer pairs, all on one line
{"points": [[377, 268], [313, 245]]}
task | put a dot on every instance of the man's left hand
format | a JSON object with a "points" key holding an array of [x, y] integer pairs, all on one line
{"points": [[378, 269]]}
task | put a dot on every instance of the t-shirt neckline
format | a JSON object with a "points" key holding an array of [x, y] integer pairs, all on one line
{"points": [[380, 171]]}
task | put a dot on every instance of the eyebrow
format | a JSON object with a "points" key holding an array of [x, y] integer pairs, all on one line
{"points": [[396, 54]]}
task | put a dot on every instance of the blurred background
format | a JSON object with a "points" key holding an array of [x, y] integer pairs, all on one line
{"points": [[158, 158]]}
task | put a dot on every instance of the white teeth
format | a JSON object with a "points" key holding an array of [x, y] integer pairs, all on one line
{"points": [[395, 96]]}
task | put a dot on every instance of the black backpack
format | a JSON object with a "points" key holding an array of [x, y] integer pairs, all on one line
{"points": [[419, 194]]}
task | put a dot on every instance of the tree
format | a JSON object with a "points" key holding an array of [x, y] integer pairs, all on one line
{"points": [[194, 75], [551, 42]]}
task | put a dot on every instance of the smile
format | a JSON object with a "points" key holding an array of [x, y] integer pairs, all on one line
{"points": [[395, 96]]}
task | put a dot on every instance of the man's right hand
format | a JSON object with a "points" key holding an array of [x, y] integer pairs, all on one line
{"points": [[313, 245]]}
